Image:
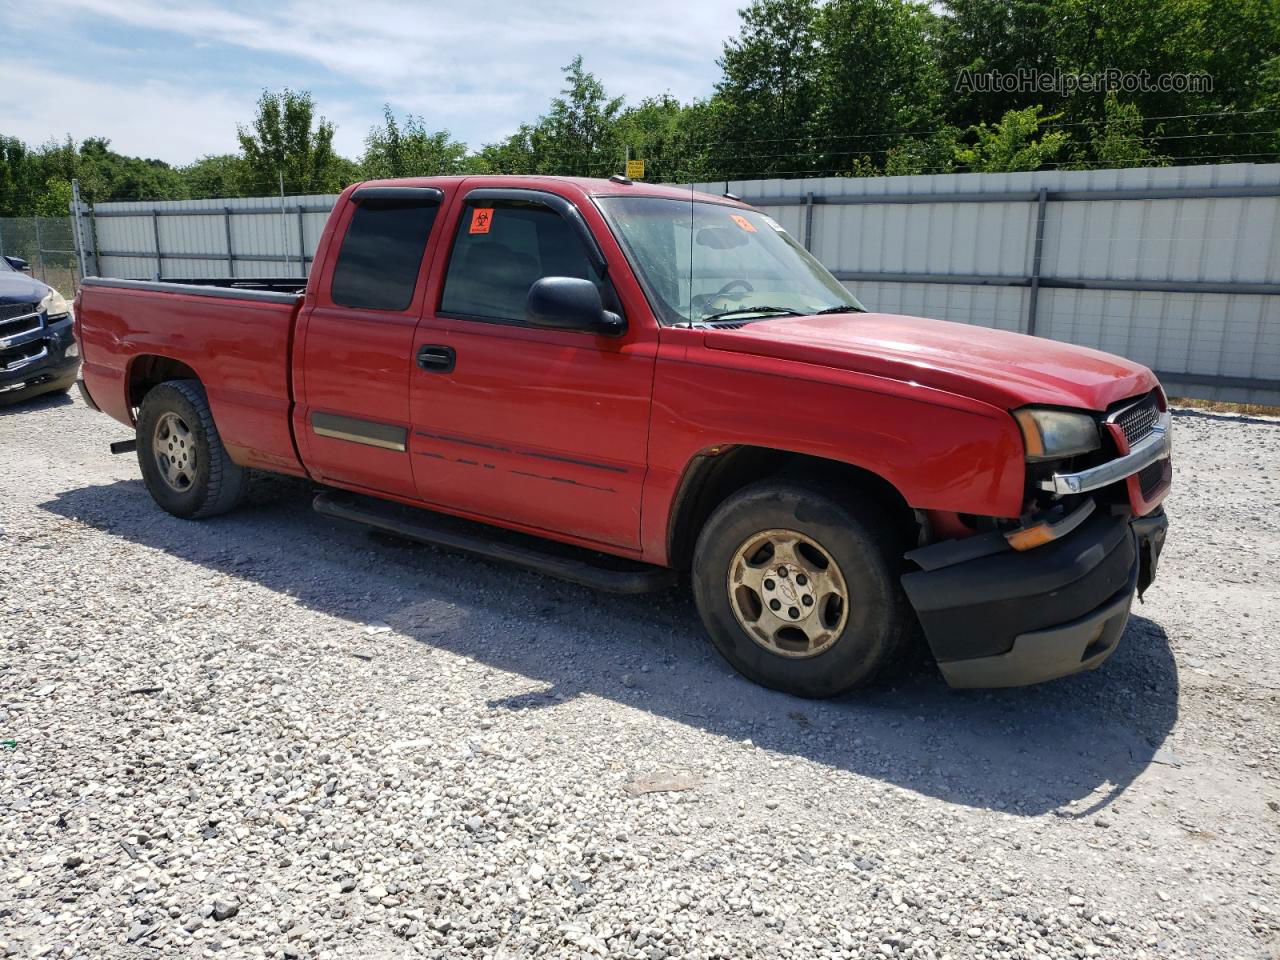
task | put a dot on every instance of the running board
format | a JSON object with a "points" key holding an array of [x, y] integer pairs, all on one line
{"points": [[530, 553]]}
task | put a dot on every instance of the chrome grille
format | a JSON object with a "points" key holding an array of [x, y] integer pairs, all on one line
{"points": [[13, 324], [1139, 420], [10, 310], [20, 356]]}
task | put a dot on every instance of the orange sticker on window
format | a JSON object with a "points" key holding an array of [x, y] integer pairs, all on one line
{"points": [[481, 220], [743, 222]]}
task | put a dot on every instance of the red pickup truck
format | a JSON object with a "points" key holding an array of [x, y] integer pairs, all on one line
{"points": [[615, 383]]}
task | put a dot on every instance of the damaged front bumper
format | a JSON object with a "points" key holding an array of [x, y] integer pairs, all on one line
{"points": [[39, 360], [1008, 618]]}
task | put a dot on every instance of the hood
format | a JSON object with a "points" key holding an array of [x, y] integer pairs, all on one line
{"points": [[17, 287], [1007, 370]]}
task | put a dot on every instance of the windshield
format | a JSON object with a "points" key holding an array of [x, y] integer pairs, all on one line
{"points": [[704, 261]]}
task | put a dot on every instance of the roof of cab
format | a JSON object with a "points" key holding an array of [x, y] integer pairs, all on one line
{"points": [[590, 186]]}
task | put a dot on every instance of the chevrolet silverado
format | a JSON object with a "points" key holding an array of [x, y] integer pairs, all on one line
{"points": [[618, 383]]}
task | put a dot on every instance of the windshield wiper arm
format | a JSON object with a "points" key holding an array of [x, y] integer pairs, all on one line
{"points": [[745, 310], [843, 308]]}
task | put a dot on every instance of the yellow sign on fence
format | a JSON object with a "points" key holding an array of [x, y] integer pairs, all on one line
{"points": [[635, 169]]}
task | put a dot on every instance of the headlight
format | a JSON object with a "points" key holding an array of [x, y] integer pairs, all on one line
{"points": [[54, 306], [1053, 434]]}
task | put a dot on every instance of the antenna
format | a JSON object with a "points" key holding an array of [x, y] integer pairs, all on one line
{"points": [[691, 251]]}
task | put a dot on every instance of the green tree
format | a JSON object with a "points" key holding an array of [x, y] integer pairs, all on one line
{"points": [[579, 135], [512, 155], [768, 96], [818, 88], [879, 82], [409, 150], [974, 37], [1119, 141], [18, 184], [216, 175], [105, 174], [1015, 143], [285, 139], [55, 200], [933, 153], [672, 139], [1111, 47]]}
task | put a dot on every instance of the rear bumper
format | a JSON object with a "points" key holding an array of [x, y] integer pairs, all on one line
{"points": [[1015, 618]]}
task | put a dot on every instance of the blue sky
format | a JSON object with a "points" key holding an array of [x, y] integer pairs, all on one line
{"points": [[171, 80]]}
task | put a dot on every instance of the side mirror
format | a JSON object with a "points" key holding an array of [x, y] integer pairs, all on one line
{"points": [[570, 303], [19, 264]]}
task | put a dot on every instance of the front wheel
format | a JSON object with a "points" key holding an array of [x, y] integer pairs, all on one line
{"points": [[184, 465], [798, 588]]}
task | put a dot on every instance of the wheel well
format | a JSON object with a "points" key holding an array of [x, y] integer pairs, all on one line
{"points": [[148, 371], [711, 479]]}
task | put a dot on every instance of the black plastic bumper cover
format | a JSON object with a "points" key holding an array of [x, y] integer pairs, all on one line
{"points": [[54, 371], [37, 379], [1022, 617]]}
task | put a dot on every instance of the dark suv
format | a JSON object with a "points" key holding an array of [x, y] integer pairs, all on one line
{"points": [[38, 353]]}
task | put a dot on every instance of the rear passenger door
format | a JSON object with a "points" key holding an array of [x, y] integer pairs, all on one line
{"points": [[355, 355], [544, 429]]}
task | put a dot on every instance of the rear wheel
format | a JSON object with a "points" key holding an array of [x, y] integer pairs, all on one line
{"points": [[185, 467], [798, 588]]}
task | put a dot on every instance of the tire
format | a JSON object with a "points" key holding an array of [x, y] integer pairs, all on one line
{"points": [[208, 482], [850, 644]]}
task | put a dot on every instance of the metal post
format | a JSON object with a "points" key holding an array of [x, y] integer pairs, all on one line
{"points": [[155, 231], [1, 243], [231, 256], [284, 227], [76, 225], [302, 245], [808, 222], [1033, 301], [93, 237], [44, 274]]}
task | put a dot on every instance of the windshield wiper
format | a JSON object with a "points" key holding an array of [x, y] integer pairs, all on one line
{"points": [[740, 311], [843, 308]]}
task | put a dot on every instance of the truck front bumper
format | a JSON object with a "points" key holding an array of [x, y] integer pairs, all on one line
{"points": [[1018, 617], [38, 362]]}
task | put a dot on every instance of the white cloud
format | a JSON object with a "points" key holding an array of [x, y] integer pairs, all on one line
{"points": [[153, 119], [474, 69]]}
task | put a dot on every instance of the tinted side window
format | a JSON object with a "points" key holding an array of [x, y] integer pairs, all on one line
{"points": [[501, 250], [378, 264]]}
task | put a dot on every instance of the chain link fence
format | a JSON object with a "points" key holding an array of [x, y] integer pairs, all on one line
{"points": [[48, 244]]}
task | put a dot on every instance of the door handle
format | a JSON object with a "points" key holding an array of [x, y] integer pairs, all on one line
{"points": [[436, 359]]}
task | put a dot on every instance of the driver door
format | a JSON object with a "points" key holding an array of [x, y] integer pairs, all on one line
{"points": [[541, 429]]}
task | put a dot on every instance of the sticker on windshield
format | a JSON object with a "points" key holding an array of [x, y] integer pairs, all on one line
{"points": [[773, 223], [481, 220], [743, 222]]}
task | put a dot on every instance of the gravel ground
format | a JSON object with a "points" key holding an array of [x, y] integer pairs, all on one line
{"points": [[271, 734]]}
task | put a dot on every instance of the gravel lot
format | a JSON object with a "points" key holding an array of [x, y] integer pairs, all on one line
{"points": [[274, 735]]}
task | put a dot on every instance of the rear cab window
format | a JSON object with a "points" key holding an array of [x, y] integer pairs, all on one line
{"points": [[381, 255], [501, 248]]}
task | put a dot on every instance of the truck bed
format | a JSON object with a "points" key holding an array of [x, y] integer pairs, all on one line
{"points": [[268, 284], [237, 340]]}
